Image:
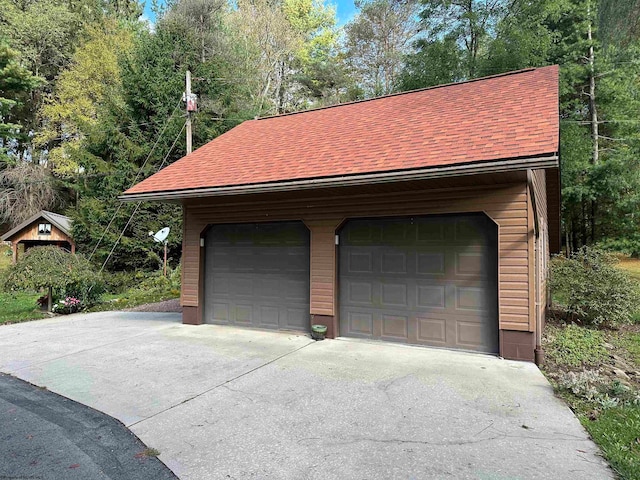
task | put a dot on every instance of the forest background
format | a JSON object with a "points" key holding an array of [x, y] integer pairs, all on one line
{"points": [[91, 94]]}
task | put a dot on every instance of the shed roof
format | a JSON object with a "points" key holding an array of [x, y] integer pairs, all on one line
{"points": [[508, 116], [63, 223]]}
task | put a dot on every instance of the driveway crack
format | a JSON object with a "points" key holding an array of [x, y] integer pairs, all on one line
{"points": [[76, 352], [223, 384]]}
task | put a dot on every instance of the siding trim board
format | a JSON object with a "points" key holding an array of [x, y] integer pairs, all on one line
{"points": [[504, 200]]}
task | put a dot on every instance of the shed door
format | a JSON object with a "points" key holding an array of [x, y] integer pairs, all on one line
{"points": [[257, 275], [424, 280]]}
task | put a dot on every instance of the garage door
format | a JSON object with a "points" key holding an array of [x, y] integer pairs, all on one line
{"points": [[257, 275], [424, 280]]}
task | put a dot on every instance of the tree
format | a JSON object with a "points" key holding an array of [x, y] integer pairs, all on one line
{"points": [[619, 21], [469, 22], [276, 49], [435, 62], [315, 74], [16, 82], [46, 34], [91, 83], [53, 269], [201, 19], [524, 37], [376, 41], [25, 189]]}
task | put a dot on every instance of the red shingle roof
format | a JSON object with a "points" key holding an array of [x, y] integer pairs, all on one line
{"points": [[500, 117]]}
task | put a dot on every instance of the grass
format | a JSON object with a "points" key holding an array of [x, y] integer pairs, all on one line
{"points": [[19, 307], [5, 257], [630, 343], [631, 266], [617, 432], [608, 408], [574, 346]]}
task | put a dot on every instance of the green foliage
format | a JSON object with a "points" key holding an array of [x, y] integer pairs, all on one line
{"points": [[19, 307], [467, 24], [619, 21], [52, 267], [574, 346], [435, 62], [629, 245], [15, 83], [607, 407], [376, 41], [598, 390], [595, 290], [138, 288], [90, 84], [631, 344], [616, 432]]}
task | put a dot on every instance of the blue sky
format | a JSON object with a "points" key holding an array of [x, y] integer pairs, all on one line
{"points": [[345, 10]]}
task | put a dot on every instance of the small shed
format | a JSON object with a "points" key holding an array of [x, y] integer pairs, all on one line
{"points": [[44, 228]]}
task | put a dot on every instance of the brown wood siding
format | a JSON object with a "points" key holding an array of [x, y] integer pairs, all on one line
{"points": [[539, 184], [507, 204], [30, 233], [323, 266]]}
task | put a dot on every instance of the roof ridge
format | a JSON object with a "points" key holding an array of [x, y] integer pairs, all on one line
{"points": [[407, 92]]}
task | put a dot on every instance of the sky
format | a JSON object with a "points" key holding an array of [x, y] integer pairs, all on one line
{"points": [[345, 10]]}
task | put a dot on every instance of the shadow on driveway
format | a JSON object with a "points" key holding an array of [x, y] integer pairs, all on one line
{"points": [[46, 436]]}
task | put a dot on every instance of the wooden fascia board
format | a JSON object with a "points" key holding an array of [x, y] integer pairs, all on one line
{"points": [[510, 165]]}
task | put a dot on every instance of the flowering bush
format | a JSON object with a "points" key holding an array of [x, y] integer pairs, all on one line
{"points": [[68, 305]]}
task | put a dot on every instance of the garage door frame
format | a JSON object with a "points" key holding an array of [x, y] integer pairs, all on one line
{"points": [[302, 323], [493, 243]]}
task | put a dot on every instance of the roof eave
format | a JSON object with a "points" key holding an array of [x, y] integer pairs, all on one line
{"points": [[549, 160], [29, 221]]}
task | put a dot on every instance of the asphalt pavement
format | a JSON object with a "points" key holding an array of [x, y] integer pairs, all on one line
{"points": [[46, 436]]}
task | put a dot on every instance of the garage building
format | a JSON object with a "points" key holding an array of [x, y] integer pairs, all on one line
{"points": [[425, 217]]}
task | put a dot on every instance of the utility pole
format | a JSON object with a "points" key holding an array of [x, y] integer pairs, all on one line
{"points": [[188, 100]]}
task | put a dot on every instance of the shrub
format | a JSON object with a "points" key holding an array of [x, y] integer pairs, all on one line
{"points": [[595, 290], [119, 282], [67, 305], [590, 385], [56, 270], [574, 346], [629, 245], [88, 290]]}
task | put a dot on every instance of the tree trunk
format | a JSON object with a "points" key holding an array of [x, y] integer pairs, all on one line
{"points": [[583, 226], [592, 94], [593, 221], [202, 30], [50, 299]]}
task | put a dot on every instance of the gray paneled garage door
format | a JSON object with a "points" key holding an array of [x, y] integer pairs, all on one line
{"points": [[423, 280], [257, 275]]}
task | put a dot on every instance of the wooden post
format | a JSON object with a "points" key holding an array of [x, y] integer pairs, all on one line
{"points": [[188, 96], [50, 300], [14, 247]]}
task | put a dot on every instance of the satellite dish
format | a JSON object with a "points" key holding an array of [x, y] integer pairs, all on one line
{"points": [[161, 235]]}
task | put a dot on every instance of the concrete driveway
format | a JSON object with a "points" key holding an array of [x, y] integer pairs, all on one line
{"points": [[222, 402]]}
